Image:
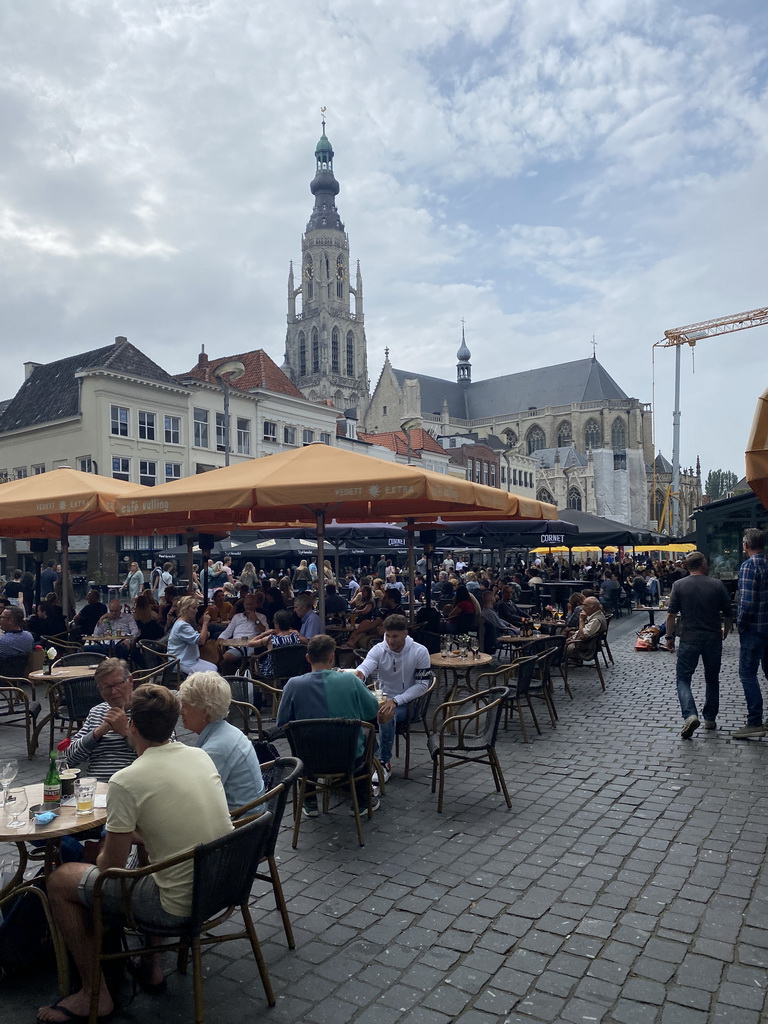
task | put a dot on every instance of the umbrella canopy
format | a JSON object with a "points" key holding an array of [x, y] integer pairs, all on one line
{"points": [[757, 451], [600, 531], [62, 502], [315, 483], [298, 484]]}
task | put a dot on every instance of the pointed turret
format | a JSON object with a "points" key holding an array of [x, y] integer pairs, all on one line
{"points": [[463, 367]]}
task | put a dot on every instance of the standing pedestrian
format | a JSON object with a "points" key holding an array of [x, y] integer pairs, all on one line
{"points": [[700, 601], [752, 624]]}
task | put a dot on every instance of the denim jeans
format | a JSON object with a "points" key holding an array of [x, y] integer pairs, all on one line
{"points": [[753, 650], [387, 734], [710, 650]]}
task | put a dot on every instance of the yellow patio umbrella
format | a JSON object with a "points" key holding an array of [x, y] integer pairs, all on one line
{"points": [[757, 451], [56, 504], [682, 548], [312, 484]]}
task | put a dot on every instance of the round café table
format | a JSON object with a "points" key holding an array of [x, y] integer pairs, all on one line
{"points": [[459, 667], [66, 823]]}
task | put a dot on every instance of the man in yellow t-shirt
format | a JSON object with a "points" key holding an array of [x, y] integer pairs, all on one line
{"points": [[170, 799]]}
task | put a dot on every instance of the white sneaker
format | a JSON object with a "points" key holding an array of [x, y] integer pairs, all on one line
{"points": [[387, 770]]}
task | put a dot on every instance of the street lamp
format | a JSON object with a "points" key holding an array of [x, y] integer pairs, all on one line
{"points": [[407, 426], [225, 373]]}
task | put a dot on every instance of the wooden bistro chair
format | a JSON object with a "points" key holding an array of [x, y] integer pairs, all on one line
{"points": [[70, 700], [464, 732], [520, 677], [79, 658], [283, 772], [328, 749], [17, 710], [417, 711], [223, 873], [590, 657]]}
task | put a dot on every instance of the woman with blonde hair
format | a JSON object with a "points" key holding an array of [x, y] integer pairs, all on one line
{"points": [[248, 576], [302, 577], [184, 641], [285, 588]]}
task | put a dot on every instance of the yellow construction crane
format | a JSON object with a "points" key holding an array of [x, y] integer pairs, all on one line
{"points": [[689, 335]]}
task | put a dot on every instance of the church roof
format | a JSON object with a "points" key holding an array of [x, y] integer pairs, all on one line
{"points": [[52, 390], [545, 457], [260, 372], [582, 380]]}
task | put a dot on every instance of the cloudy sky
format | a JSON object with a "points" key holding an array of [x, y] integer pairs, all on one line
{"points": [[548, 170]]}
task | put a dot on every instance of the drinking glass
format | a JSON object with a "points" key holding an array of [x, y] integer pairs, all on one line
{"points": [[17, 806], [462, 647], [475, 645], [85, 795], [8, 771], [445, 645]]}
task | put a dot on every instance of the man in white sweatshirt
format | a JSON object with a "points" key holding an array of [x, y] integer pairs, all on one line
{"points": [[404, 672]]}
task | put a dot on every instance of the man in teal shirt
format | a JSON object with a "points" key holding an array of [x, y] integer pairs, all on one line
{"points": [[326, 692]]}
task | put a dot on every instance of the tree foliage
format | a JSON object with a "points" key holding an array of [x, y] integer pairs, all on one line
{"points": [[719, 483]]}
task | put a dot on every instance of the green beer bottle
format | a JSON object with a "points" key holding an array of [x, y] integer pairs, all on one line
{"points": [[52, 784]]}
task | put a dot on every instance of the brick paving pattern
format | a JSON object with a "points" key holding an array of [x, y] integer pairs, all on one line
{"points": [[627, 884]]}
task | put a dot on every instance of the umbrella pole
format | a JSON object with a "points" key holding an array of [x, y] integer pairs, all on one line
{"points": [[190, 562], [321, 567], [65, 572], [411, 574]]}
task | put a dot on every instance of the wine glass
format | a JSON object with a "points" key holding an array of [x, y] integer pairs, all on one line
{"points": [[18, 805], [9, 769], [462, 647], [475, 645]]}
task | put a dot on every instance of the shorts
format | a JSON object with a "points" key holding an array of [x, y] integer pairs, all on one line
{"points": [[145, 901]]}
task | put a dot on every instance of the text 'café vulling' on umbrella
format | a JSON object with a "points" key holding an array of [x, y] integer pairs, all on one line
{"points": [[315, 484]]}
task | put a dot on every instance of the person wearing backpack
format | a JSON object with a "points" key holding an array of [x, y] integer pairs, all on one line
{"points": [[160, 579]]}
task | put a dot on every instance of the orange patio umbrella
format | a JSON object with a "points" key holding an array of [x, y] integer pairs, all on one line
{"points": [[313, 484], [59, 503], [757, 451]]}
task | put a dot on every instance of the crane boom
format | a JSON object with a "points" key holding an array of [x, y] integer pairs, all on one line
{"points": [[692, 333], [689, 335]]}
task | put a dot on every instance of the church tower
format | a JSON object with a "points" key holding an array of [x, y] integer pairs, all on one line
{"points": [[463, 367], [325, 348]]}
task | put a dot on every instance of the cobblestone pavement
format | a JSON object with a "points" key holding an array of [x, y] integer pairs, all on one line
{"points": [[626, 884]]}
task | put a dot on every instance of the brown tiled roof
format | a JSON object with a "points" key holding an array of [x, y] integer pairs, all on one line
{"points": [[396, 441], [260, 372]]}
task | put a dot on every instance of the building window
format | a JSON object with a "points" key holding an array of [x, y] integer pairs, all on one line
{"points": [[535, 440], [270, 431], [325, 438], [172, 428], [335, 365], [514, 478], [302, 355], [200, 423], [85, 465], [172, 471], [118, 417], [147, 426], [315, 351], [574, 498], [147, 472], [503, 474], [121, 468], [289, 435], [308, 436], [470, 468], [20, 473], [244, 436], [221, 432], [37, 470], [544, 495], [619, 436], [493, 475], [592, 435], [485, 472], [350, 354], [564, 434]]}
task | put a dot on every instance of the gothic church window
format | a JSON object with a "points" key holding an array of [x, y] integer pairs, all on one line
{"points": [[302, 355], [543, 495], [350, 354], [564, 434], [335, 350], [592, 435], [315, 351], [574, 498], [619, 436], [535, 440]]}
